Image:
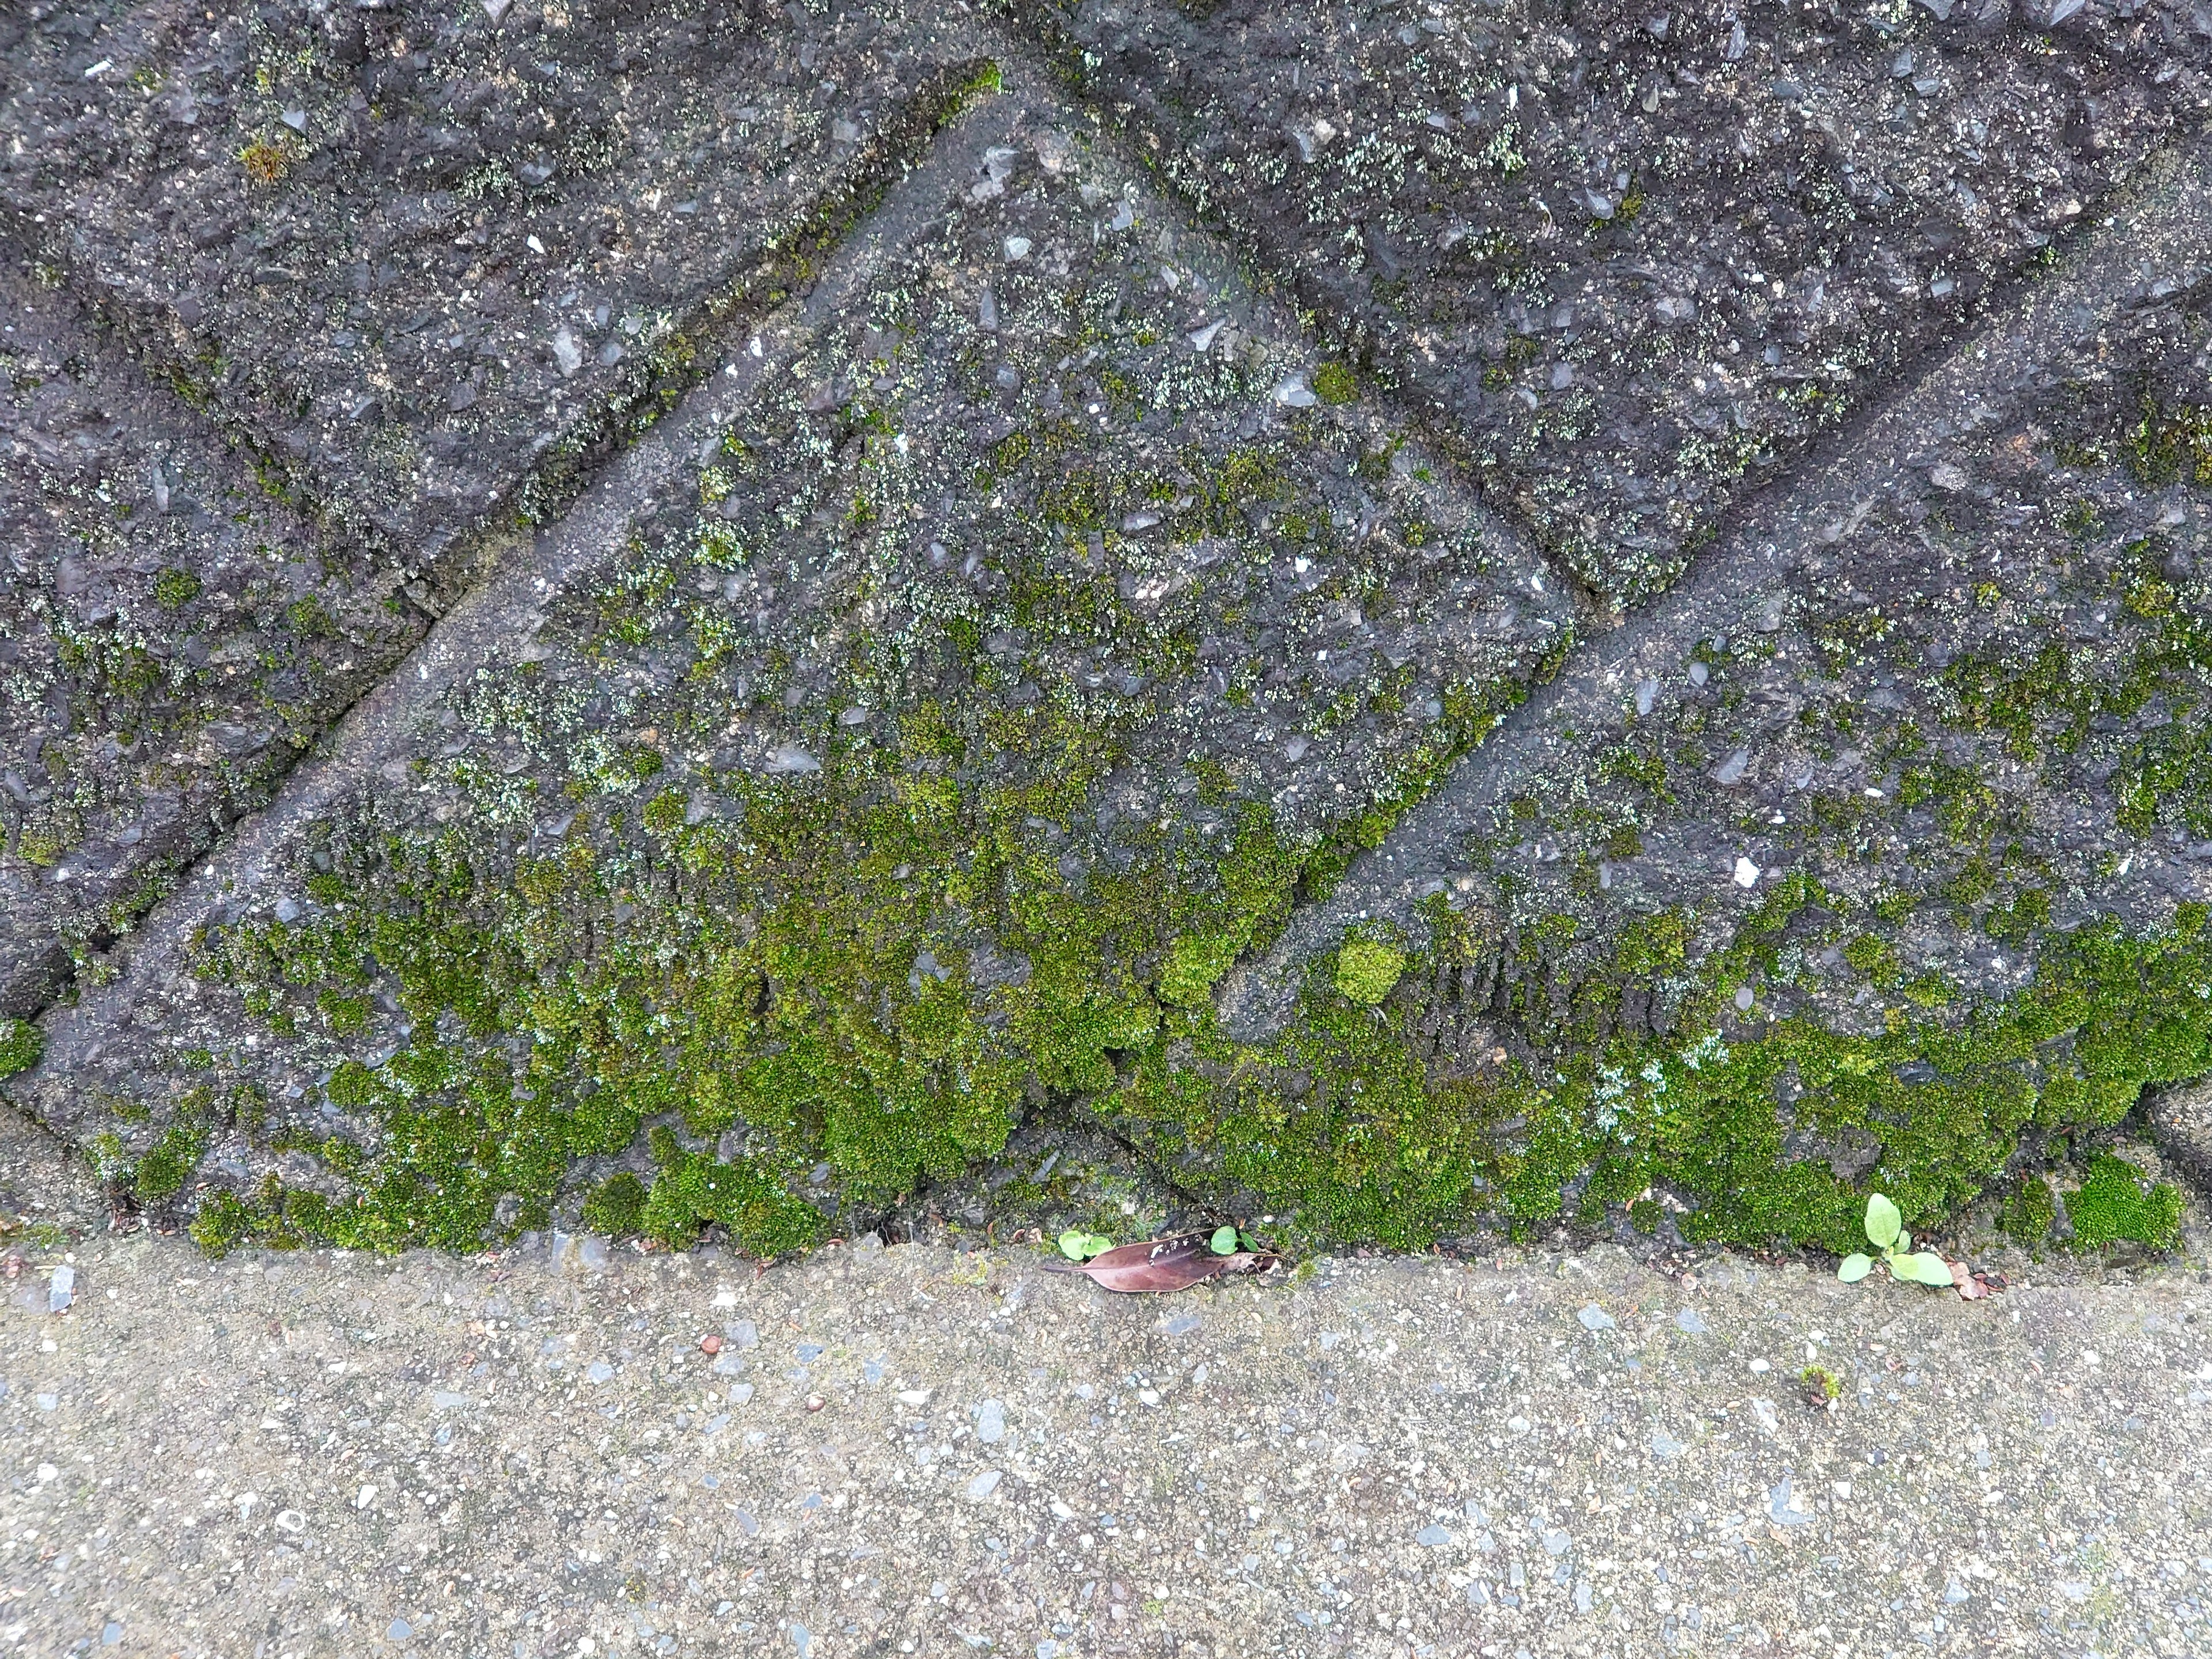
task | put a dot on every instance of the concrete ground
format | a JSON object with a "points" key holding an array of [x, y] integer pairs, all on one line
{"points": [[909, 1451]]}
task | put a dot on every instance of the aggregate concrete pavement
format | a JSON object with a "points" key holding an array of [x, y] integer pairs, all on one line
{"points": [[917, 1450]]}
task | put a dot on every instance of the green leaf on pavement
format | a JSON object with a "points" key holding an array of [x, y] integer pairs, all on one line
{"points": [[1855, 1267], [1074, 1244], [1223, 1241], [1882, 1222], [1926, 1268]]}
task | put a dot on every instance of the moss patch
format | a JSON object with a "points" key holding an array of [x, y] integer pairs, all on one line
{"points": [[21, 1045], [2028, 1213], [168, 1163], [617, 1205], [2116, 1203], [1334, 383], [1367, 970]]}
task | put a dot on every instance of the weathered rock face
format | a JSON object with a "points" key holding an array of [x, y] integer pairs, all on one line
{"points": [[1636, 261], [1013, 693], [430, 261], [1883, 845], [170, 638]]}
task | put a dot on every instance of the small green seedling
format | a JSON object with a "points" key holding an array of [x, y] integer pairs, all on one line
{"points": [[1078, 1246], [1224, 1242], [1885, 1230]]}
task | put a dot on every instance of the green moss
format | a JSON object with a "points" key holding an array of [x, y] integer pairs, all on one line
{"points": [[174, 589], [347, 1015], [761, 1213], [799, 978], [41, 845], [110, 1159], [875, 970], [1194, 963], [2028, 1214], [617, 1205], [2171, 446], [21, 1043], [1333, 383], [169, 1163], [2116, 1203], [307, 618], [1368, 969], [270, 1217]]}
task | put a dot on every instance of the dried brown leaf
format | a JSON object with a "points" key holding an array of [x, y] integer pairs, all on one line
{"points": [[1161, 1265], [1167, 1264]]}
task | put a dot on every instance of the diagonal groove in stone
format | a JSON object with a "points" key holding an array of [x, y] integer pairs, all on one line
{"points": [[1033, 559], [173, 639], [1626, 266], [353, 535], [481, 627], [373, 420], [2156, 245]]}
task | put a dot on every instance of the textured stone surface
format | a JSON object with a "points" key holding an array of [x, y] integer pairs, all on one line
{"points": [[910, 524], [2000, 577], [972, 660], [173, 638], [1636, 261], [429, 261]]}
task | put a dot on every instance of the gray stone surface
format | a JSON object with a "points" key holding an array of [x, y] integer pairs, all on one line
{"points": [[173, 638], [1857, 686], [1342, 608], [912, 1450], [1099, 521], [430, 261], [1634, 261]]}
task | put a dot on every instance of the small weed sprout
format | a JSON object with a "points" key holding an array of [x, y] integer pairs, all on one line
{"points": [[1077, 1245], [1886, 1231]]}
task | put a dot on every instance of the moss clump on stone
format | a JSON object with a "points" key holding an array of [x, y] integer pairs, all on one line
{"points": [[693, 1189], [168, 1163], [1368, 969], [174, 589], [21, 1045], [1334, 383], [2028, 1213], [617, 1205], [1194, 965], [2117, 1203], [1343, 1124]]}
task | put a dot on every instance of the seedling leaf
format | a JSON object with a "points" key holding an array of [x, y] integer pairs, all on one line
{"points": [[1224, 1242], [1072, 1243], [1882, 1222], [1927, 1267], [1855, 1267]]}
